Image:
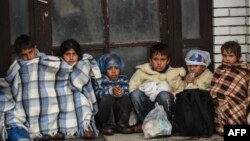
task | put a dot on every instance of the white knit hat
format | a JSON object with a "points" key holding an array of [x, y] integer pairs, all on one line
{"points": [[198, 57]]}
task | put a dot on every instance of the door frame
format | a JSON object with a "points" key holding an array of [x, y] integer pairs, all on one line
{"points": [[6, 48], [176, 42]]}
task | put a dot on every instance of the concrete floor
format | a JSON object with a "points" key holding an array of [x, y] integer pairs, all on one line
{"points": [[139, 137]]}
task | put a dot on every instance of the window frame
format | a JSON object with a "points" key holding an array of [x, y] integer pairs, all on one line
{"points": [[42, 41]]}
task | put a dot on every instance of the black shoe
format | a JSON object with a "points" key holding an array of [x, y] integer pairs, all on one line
{"points": [[138, 128], [47, 137], [125, 130], [108, 131], [88, 135], [59, 136]]}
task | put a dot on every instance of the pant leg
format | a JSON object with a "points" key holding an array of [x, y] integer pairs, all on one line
{"points": [[142, 104], [17, 133], [106, 113], [167, 101], [124, 108]]}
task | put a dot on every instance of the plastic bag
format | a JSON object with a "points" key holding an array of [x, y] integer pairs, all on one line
{"points": [[156, 123], [152, 89], [132, 118]]}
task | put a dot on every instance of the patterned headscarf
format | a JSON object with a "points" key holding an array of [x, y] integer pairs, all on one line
{"points": [[110, 60], [198, 57]]}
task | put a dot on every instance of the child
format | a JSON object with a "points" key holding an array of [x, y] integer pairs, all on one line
{"points": [[199, 76], [114, 102], [230, 88], [148, 85], [25, 48], [70, 51], [195, 96]]}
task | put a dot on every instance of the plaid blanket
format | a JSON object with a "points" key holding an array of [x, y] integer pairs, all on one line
{"points": [[6, 103], [5, 96], [231, 93], [52, 96]]}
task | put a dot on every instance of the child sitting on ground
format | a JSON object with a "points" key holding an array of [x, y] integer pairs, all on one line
{"points": [[198, 76], [230, 88], [155, 82], [70, 51], [113, 96]]}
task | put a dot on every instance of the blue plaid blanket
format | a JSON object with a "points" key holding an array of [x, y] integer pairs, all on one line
{"points": [[48, 95]]}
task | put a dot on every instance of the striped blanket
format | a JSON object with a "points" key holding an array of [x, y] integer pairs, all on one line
{"points": [[49, 96], [231, 93]]}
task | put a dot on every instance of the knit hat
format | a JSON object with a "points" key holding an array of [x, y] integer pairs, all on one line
{"points": [[198, 57], [110, 60]]}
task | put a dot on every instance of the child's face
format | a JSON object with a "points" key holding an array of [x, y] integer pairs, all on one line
{"points": [[196, 69], [113, 73], [70, 57], [159, 62], [28, 54], [229, 57]]}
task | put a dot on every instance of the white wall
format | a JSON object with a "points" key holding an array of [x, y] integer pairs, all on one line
{"points": [[231, 21]]}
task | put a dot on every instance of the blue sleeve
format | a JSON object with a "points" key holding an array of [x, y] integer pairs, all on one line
{"points": [[102, 87], [124, 84]]}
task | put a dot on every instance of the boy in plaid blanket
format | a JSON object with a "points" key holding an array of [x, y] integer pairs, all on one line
{"points": [[231, 88], [26, 50], [113, 96]]}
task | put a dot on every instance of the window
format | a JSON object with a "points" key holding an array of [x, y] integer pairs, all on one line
{"points": [[127, 27], [105, 24], [78, 19]]}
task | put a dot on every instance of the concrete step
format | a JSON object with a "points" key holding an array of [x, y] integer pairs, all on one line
{"points": [[139, 137]]}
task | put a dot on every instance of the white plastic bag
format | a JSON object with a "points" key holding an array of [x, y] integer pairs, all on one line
{"points": [[156, 123], [132, 118], [152, 89]]}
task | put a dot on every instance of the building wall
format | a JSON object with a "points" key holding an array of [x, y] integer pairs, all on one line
{"points": [[231, 21]]}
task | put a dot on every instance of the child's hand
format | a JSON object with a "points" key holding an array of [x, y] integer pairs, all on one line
{"points": [[190, 78], [117, 91]]}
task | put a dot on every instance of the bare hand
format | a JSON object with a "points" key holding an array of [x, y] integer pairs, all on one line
{"points": [[190, 78], [117, 91]]}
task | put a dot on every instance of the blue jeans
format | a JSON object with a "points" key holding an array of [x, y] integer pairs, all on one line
{"points": [[18, 133], [143, 105]]}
